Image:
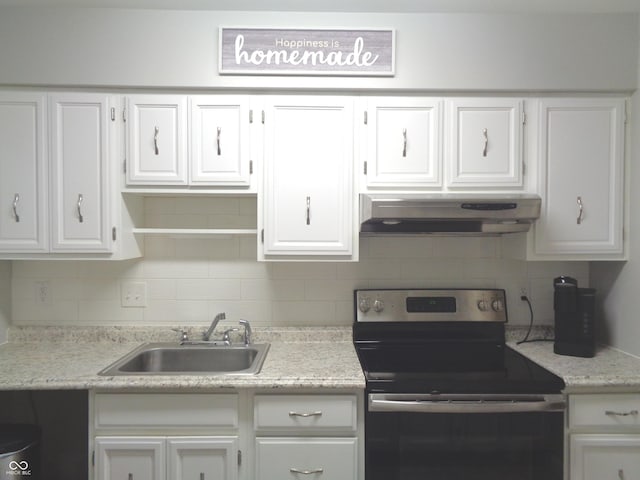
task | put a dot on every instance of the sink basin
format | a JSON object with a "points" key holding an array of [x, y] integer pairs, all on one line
{"points": [[194, 359]]}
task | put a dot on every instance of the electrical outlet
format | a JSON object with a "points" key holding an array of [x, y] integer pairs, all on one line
{"points": [[42, 290], [133, 294]]}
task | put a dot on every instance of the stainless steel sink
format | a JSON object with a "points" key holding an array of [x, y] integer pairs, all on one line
{"points": [[193, 359]]}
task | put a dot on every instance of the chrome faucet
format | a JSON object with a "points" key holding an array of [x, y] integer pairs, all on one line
{"points": [[247, 332], [207, 335]]}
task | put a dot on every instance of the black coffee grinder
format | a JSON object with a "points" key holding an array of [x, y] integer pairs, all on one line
{"points": [[574, 318]]}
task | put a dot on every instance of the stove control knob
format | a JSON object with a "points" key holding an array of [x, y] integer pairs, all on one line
{"points": [[497, 305], [378, 306], [364, 305], [483, 305]]}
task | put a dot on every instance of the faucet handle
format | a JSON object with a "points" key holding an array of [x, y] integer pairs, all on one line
{"points": [[225, 336], [247, 332], [183, 334]]}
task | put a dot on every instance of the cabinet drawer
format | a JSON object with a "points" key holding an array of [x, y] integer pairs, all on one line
{"points": [[308, 413], [165, 410], [295, 458], [619, 410]]}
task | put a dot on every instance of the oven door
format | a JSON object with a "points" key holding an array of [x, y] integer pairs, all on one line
{"points": [[464, 437]]}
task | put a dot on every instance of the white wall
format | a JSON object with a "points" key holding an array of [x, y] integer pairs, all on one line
{"points": [[618, 284], [190, 280], [434, 51], [5, 299]]}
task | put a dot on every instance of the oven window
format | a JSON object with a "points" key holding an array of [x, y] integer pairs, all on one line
{"points": [[493, 446]]}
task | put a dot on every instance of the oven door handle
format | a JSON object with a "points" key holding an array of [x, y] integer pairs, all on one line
{"points": [[465, 403]]}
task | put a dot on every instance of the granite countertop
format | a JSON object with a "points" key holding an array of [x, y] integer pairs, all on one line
{"points": [[609, 370], [39, 358]]}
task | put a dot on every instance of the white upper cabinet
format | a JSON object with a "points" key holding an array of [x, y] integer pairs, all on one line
{"points": [[220, 140], [80, 187], [308, 196], [23, 173], [581, 179], [157, 149], [485, 142], [402, 146]]}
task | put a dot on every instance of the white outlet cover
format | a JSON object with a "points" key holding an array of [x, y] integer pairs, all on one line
{"points": [[133, 294]]}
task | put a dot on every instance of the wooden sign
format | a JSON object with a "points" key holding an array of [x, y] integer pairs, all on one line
{"points": [[275, 51]]}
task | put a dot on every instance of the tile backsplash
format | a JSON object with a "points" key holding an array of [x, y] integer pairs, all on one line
{"points": [[189, 280]]}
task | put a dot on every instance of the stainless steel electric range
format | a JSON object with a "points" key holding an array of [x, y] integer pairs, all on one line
{"points": [[446, 398]]}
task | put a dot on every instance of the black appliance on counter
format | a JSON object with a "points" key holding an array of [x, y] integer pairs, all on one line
{"points": [[446, 399], [574, 318]]}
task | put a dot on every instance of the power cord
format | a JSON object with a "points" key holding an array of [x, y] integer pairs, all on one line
{"points": [[524, 298]]}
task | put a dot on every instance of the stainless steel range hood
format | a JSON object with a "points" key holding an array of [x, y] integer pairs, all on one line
{"points": [[447, 214]]}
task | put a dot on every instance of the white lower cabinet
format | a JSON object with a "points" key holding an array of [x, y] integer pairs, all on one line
{"points": [[166, 436], [291, 457], [307, 436], [604, 436]]}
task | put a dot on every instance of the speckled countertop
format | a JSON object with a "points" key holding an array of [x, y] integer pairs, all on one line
{"points": [[608, 371], [70, 358]]}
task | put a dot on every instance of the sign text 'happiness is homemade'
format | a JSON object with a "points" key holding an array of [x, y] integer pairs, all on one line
{"points": [[274, 51]]}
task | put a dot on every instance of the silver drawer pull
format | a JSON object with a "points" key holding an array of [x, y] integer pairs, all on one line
{"points": [[16, 199], [621, 414], [485, 134], [308, 210], [306, 472], [404, 147], [218, 141], [80, 200], [155, 140], [201, 475], [580, 210], [130, 477], [306, 415], [621, 474]]}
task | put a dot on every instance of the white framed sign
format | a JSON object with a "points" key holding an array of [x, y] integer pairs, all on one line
{"points": [[290, 51]]}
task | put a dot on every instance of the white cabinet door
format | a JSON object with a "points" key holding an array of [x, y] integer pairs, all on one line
{"points": [[403, 142], [202, 458], [23, 174], [130, 458], [80, 136], [601, 457], [220, 140], [582, 159], [295, 458], [485, 142], [157, 126], [308, 185]]}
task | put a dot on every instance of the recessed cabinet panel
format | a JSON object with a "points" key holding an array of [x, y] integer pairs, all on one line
{"points": [[403, 142], [308, 197], [23, 185], [581, 148], [485, 142], [202, 458], [598, 457], [157, 140], [130, 458], [220, 140], [79, 173]]}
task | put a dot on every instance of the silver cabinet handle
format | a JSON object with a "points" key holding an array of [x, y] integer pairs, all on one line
{"points": [[308, 210], [130, 476], [404, 146], [306, 472], [155, 140], [485, 133], [306, 415], [621, 414], [218, 141], [80, 200], [16, 199], [621, 474], [580, 211], [201, 475]]}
